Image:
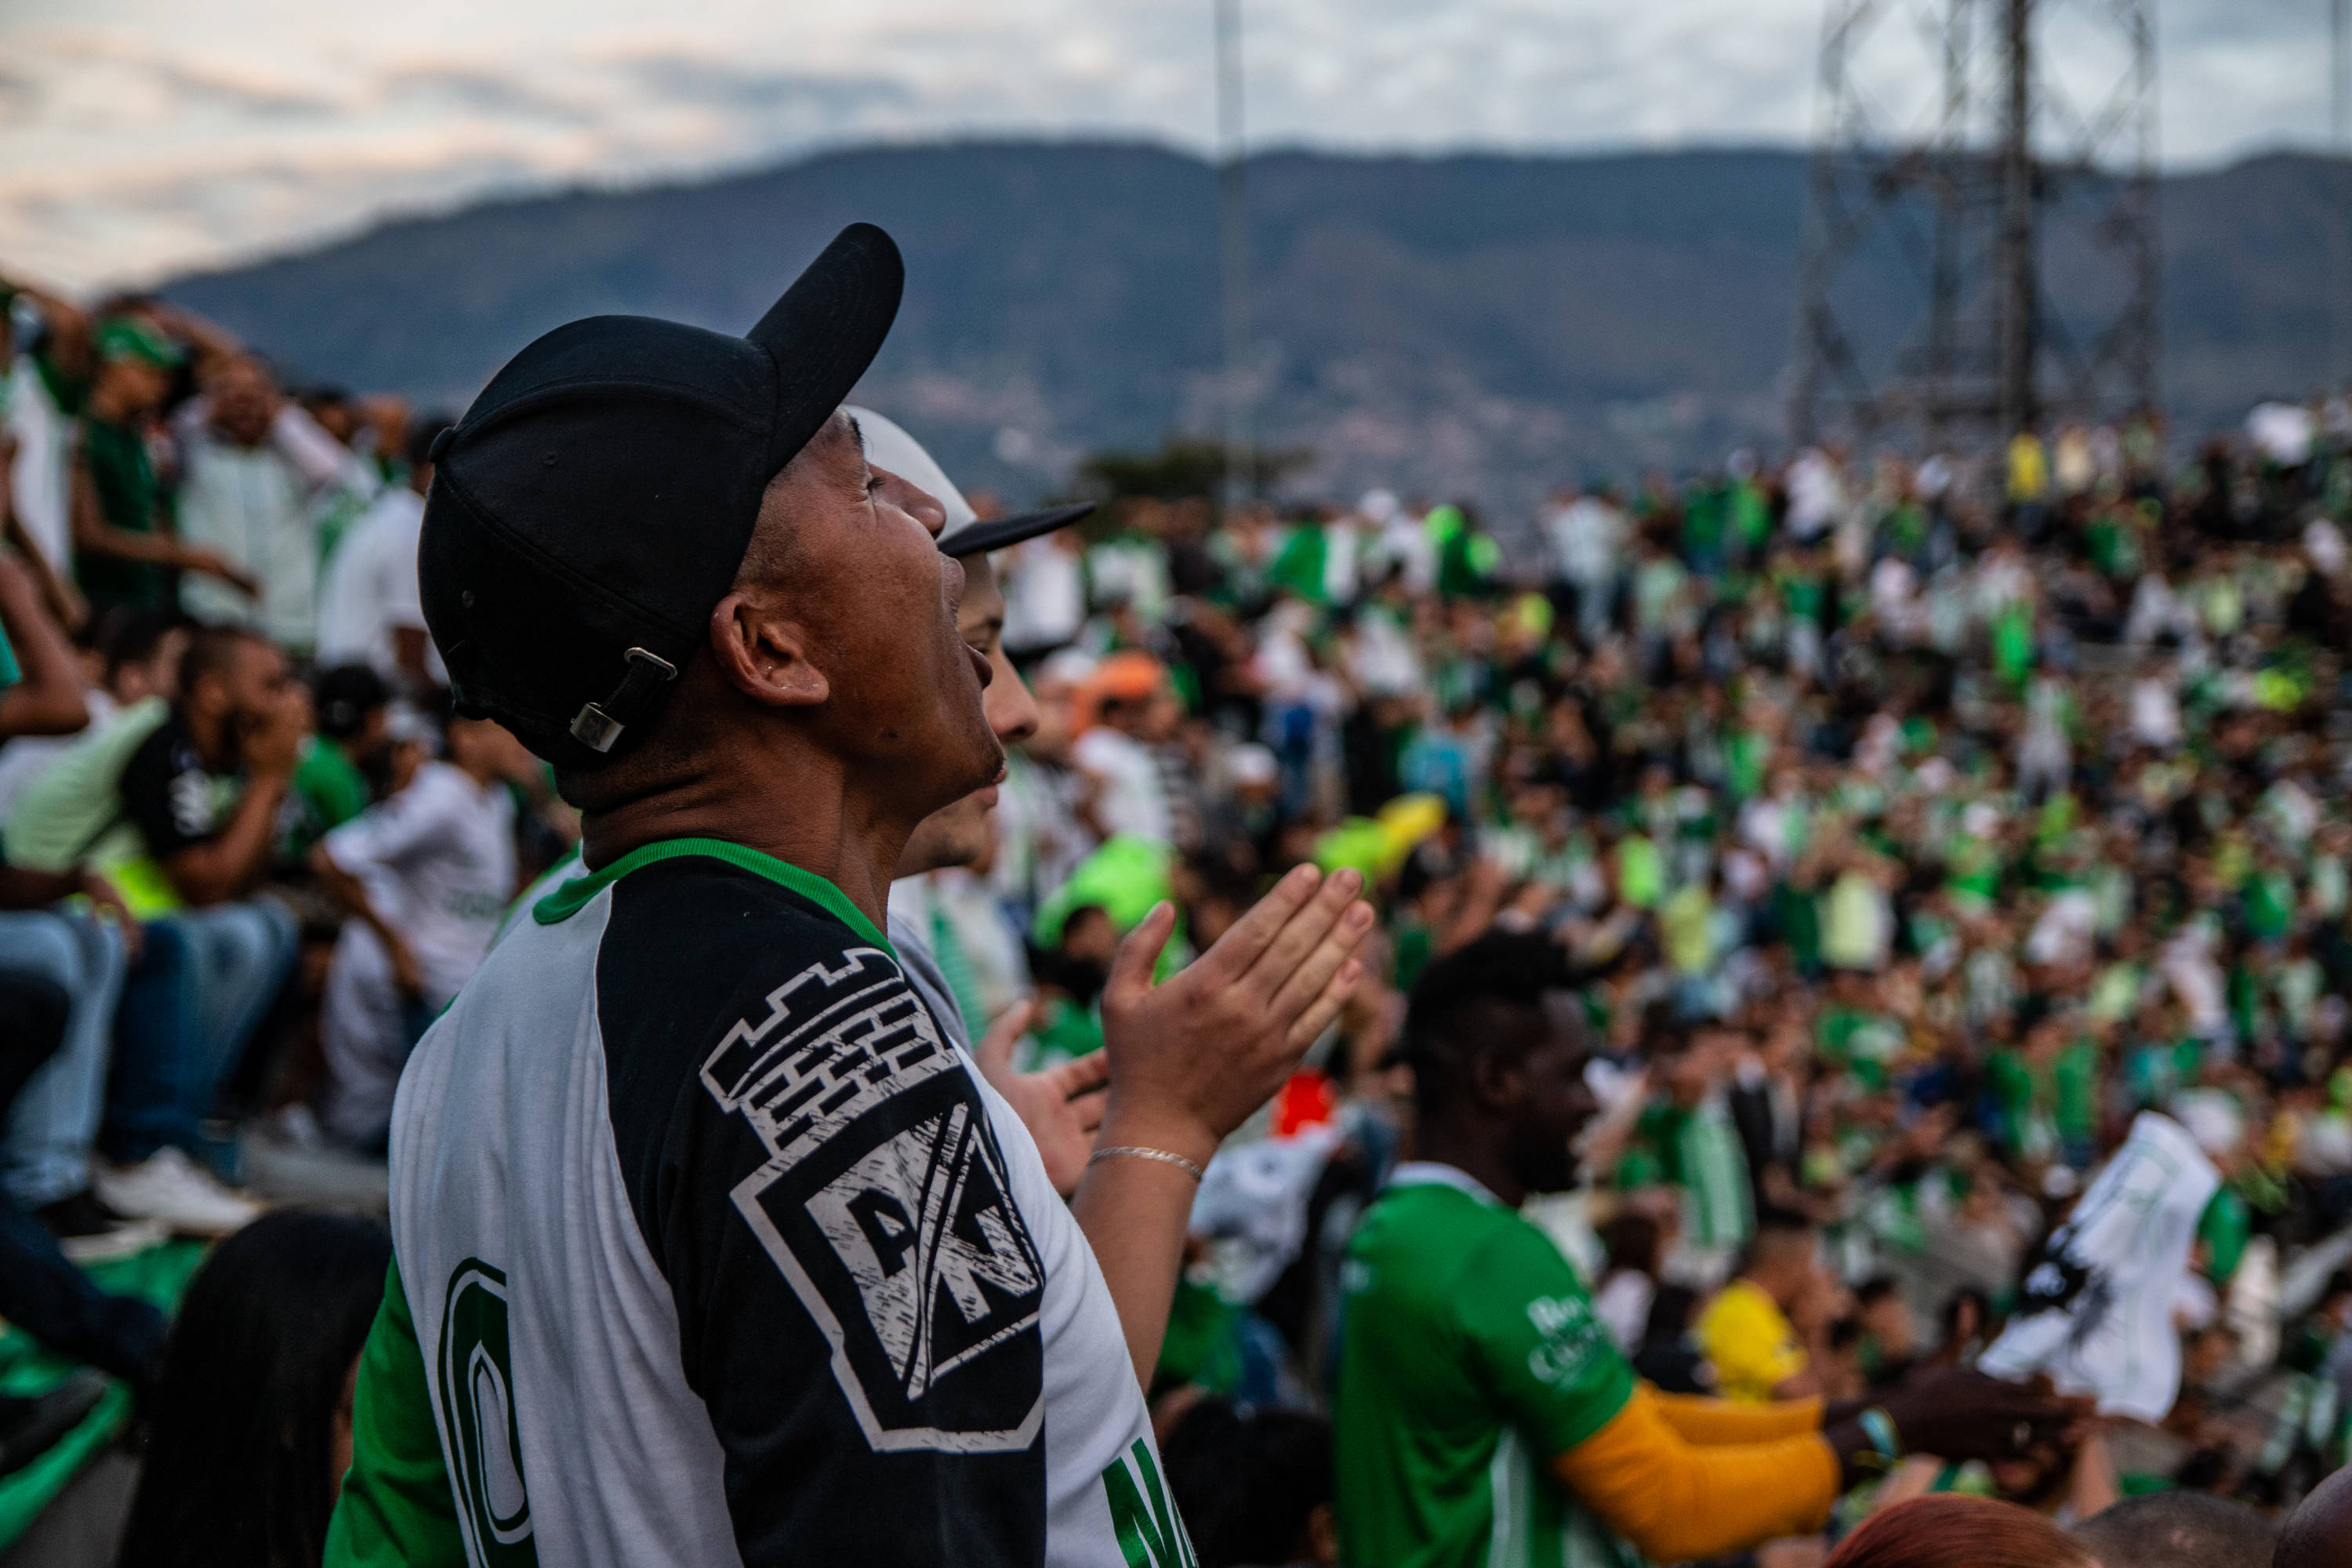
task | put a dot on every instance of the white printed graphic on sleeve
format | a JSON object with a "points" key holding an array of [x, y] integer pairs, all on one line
{"points": [[886, 1207]]}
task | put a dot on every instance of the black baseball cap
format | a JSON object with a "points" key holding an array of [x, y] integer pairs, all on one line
{"points": [[996, 532], [597, 500]]}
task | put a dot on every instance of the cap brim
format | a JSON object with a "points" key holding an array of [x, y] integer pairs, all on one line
{"points": [[827, 330], [996, 534]]}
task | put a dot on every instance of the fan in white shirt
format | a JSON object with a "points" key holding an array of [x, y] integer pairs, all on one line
{"points": [[427, 875], [1126, 690], [369, 611]]}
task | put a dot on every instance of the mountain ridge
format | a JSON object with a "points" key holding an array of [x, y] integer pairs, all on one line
{"points": [[1474, 324]]}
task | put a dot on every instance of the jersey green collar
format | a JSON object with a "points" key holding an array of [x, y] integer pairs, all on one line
{"points": [[1432, 1173], [569, 898]]}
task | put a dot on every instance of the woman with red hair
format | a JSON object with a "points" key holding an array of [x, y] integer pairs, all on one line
{"points": [[1952, 1530]]}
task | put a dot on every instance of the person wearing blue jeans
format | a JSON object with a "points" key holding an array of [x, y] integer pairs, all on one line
{"points": [[177, 803], [189, 1009], [44, 1155], [40, 1291]]}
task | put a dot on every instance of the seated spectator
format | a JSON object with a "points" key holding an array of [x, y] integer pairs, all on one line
{"points": [[177, 803], [59, 973], [44, 1158], [369, 612], [255, 472], [41, 1291], [344, 764], [1747, 1333], [129, 656], [427, 874], [250, 1428], [1253, 1485]]}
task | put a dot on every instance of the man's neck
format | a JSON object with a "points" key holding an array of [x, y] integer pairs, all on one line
{"points": [[1475, 1152], [806, 816]]}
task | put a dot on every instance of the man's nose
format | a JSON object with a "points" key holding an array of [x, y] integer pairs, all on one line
{"points": [[912, 499]]}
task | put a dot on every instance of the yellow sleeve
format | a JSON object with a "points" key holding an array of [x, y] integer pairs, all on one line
{"points": [[1712, 1422], [1748, 1343], [1675, 1500]]}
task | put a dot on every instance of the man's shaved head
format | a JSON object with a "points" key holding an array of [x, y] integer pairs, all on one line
{"points": [[2320, 1534], [2179, 1530]]}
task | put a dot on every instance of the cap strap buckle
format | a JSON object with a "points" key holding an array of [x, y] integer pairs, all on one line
{"points": [[599, 724]]}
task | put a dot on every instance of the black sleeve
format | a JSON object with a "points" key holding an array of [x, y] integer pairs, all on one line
{"points": [[166, 792], [857, 1296]]}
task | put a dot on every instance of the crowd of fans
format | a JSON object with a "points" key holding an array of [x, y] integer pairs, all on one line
{"points": [[1909, 829]]}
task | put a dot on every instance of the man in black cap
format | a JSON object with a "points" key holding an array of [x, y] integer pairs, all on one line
{"points": [[709, 1247]]}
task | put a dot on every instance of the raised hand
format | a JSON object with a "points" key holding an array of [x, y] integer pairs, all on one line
{"points": [[1192, 1058], [1062, 1106], [1958, 1412]]}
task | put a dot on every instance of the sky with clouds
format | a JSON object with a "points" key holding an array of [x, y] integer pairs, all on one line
{"points": [[138, 137]]}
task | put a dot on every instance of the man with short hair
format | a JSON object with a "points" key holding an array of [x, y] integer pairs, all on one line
{"points": [[2182, 1529], [177, 803], [256, 473], [344, 764], [1483, 1414], [709, 1245], [425, 874], [2314, 1535], [125, 548]]}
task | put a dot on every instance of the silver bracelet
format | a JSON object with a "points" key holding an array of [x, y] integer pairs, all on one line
{"points": [[1162, 1156]]}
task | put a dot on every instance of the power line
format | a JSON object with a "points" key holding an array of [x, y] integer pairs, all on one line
{"points": [[1958, 200]]}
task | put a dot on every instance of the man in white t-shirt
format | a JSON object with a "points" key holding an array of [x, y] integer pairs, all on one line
{"points": [[427, 874], [256, 471], [368, 609]]}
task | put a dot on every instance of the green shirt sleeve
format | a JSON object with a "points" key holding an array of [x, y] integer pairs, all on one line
{"points": [[1532, 1334], [396, 1510], [2226, 1225]]}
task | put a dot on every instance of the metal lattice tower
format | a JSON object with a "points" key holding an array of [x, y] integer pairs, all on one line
{"points": [[1967, 151]]}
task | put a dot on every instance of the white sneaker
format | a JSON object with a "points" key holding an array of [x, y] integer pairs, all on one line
{"points": [[173, 1190], [128, 1239]]}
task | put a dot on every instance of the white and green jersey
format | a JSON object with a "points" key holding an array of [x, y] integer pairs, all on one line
{"points": [[711, 1248], [1470, 1358]]}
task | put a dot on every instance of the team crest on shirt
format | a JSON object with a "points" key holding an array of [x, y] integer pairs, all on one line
{"points": [[885, 1204]]}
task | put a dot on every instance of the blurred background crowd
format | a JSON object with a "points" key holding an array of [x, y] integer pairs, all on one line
{"points": [[1913, 825]]}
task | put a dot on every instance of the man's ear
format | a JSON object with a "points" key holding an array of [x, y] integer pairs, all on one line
{"points": [[762, 652], [1495, 1080]]}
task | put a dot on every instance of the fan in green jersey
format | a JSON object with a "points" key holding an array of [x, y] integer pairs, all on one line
{"points": [[1483, 1414]]}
